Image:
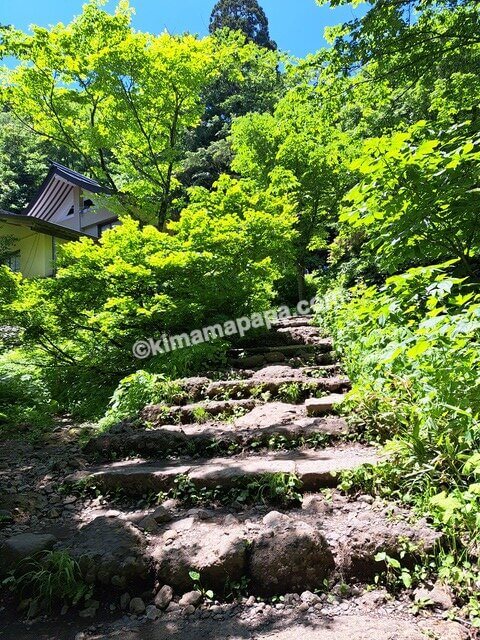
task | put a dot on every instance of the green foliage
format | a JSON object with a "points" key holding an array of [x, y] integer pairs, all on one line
{"points": [[270, 488], [47, 580], [299, 152], [120, 99], [412, 350], [246, 16], [135, 392], [290, 392], [141, 283], [418, 199], [197, 585], [23, 163], [26, 402]]}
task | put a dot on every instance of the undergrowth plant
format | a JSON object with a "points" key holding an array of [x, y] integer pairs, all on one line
{"points": [[412, 350], [46, 580]]}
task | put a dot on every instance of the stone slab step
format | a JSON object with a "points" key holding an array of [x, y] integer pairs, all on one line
{"points": [[322, 346], [300, 334], [283, 551], [158, 415], [321, 406], [277, 356], [315, 469], [293, 321], [287, 422], [306, 386]]}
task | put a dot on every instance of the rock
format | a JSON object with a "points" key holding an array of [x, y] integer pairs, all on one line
{"points": [[164, 597], [189, 610], [439, 596], [137, 606], [278, 373], [171, 534], [120, 582], [310, 598], [109, 547], [21, 546], [148, 524], [190, 598], [274, 519], [289, 560], [269, 415], [251, 362], [217, 553], [173, 606], [321, 406], [162, 515], [89, 612], [317, 504], [124, 601], [152, 612], [355, 552], [291, 598]]}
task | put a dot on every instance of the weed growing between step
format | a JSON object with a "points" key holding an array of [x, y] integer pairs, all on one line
{"points": [[451, 563], [47, 580], [280, 489]]}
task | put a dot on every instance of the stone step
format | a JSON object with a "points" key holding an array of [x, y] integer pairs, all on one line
{"points": [[158, 415], [314, 469], [280, 551], [288, 425], [293, 321], [285, 552], [304, 386], [278, 356], [321, 406], [324, 345], [300, 334]]}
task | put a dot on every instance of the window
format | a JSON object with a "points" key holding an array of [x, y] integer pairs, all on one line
{"points": [[106, 226], [12, 260], [87, 205]]}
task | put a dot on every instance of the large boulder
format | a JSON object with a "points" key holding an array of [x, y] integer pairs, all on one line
{"points": [[363, 532], [288, 556], [22, 546], [112, 552], [217, 553]]}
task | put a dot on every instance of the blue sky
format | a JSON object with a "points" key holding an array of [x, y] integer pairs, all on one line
{"points": [[296, 25]]}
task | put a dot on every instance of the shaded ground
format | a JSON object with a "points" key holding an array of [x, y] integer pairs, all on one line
{"points": [[362, 619]]}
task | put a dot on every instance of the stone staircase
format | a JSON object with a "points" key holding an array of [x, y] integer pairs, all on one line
{"points": [[245, 469]]}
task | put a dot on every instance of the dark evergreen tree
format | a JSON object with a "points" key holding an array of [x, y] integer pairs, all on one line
{"points": [[242, 15]]}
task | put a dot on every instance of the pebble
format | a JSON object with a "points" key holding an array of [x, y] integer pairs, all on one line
{"points": [[192, 598], [164, 597], [137, 606], [189, 610], [152, 612]]}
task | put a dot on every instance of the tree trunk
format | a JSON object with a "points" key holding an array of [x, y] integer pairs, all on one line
{"points": [[302, 287]]}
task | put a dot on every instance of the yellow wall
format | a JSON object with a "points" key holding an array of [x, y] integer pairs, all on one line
{"points": [[36, 249]]}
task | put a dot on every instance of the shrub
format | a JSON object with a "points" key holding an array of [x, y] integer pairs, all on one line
{"points": [[135, 392], [412, 350], [25, 400]]}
